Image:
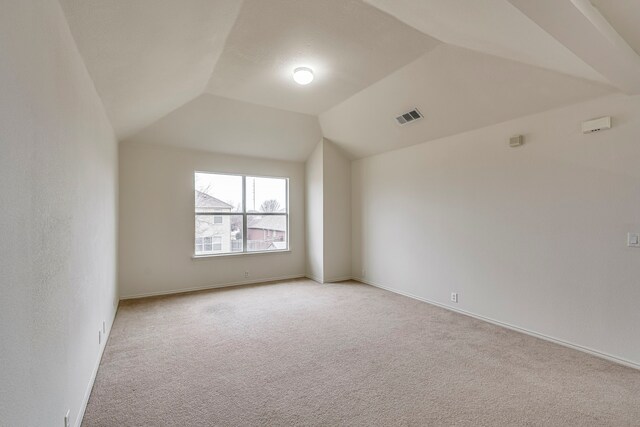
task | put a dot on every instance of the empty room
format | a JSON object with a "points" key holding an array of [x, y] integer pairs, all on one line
{"points": [[319, 213]]}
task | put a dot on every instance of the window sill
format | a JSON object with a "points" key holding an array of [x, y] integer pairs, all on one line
{"points": [[196, 257]]}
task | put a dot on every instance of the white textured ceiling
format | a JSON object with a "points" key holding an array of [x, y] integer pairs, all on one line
{"points": [[490, 26], [149, 57], [582, 28], [222, 125], [624, 16], [457, 90], [216, 74], [347, 43]]}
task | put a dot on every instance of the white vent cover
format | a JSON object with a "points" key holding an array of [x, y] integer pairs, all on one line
{"points": [[408, 117]]}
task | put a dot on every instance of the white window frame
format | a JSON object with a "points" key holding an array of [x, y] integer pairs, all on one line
{"points": [[244, 215]]}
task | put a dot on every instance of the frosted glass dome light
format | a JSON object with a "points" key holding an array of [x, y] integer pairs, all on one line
{"points": [[303, 75]]}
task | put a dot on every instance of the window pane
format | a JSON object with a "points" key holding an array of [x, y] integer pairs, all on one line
{"points": [[218, 238], [218, 193], [217, 243], [266, 194], [266, 233]]}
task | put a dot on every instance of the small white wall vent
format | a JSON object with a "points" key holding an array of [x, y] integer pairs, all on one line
{"points": [[409, 116], [596, 125]]}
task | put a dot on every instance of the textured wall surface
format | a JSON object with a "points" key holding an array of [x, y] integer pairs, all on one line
{"points": [[336, 213], [328, 214], [314, 202], [58, 192], [533, 236], [156, 234]]}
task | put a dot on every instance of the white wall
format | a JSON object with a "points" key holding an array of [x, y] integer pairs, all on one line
{"points": [[337, 213], [314, 225], [533, 236], [157, 222], [58, 186], [328, 214]]}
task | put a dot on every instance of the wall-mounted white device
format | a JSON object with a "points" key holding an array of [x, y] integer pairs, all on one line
{"points": [[595, 125], [516, 141]]}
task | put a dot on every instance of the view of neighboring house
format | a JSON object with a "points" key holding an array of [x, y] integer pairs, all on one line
{"points": [[267, 232], [213, 232], [223, 233]]}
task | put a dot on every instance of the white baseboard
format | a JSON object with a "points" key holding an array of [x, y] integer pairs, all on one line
{"points": [[573, 346], [337, 279], [315, 279], [92, 380], [331, 280], [216, 286]]}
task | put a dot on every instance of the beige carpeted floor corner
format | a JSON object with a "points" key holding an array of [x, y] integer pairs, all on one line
{"points": [[300, 353]]}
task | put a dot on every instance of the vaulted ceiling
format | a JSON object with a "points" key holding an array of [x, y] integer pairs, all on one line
{"points": [[457, 90], [216, 74], [149, 57], [347, 43], [495, 27]]}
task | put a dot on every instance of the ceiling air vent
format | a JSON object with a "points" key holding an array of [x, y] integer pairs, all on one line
{"points": [[408, 117]]}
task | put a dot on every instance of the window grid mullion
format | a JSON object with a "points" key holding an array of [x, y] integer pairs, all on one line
{"points": [[241, 213], [244, 213]]}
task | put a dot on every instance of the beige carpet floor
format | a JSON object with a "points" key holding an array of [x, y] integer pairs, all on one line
{"points": [[299, 353]]}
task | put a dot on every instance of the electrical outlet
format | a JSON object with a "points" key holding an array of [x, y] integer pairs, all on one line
{"points": [[633, 240], [67, 421], [454, 297], [246, 274]]}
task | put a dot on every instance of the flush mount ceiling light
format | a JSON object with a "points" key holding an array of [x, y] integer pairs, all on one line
{"points": [[303, 75]]}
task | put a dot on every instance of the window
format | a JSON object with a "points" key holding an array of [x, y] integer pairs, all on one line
{"points": [[216, 244], [240, 214], [199, 244], [208, 244]]}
